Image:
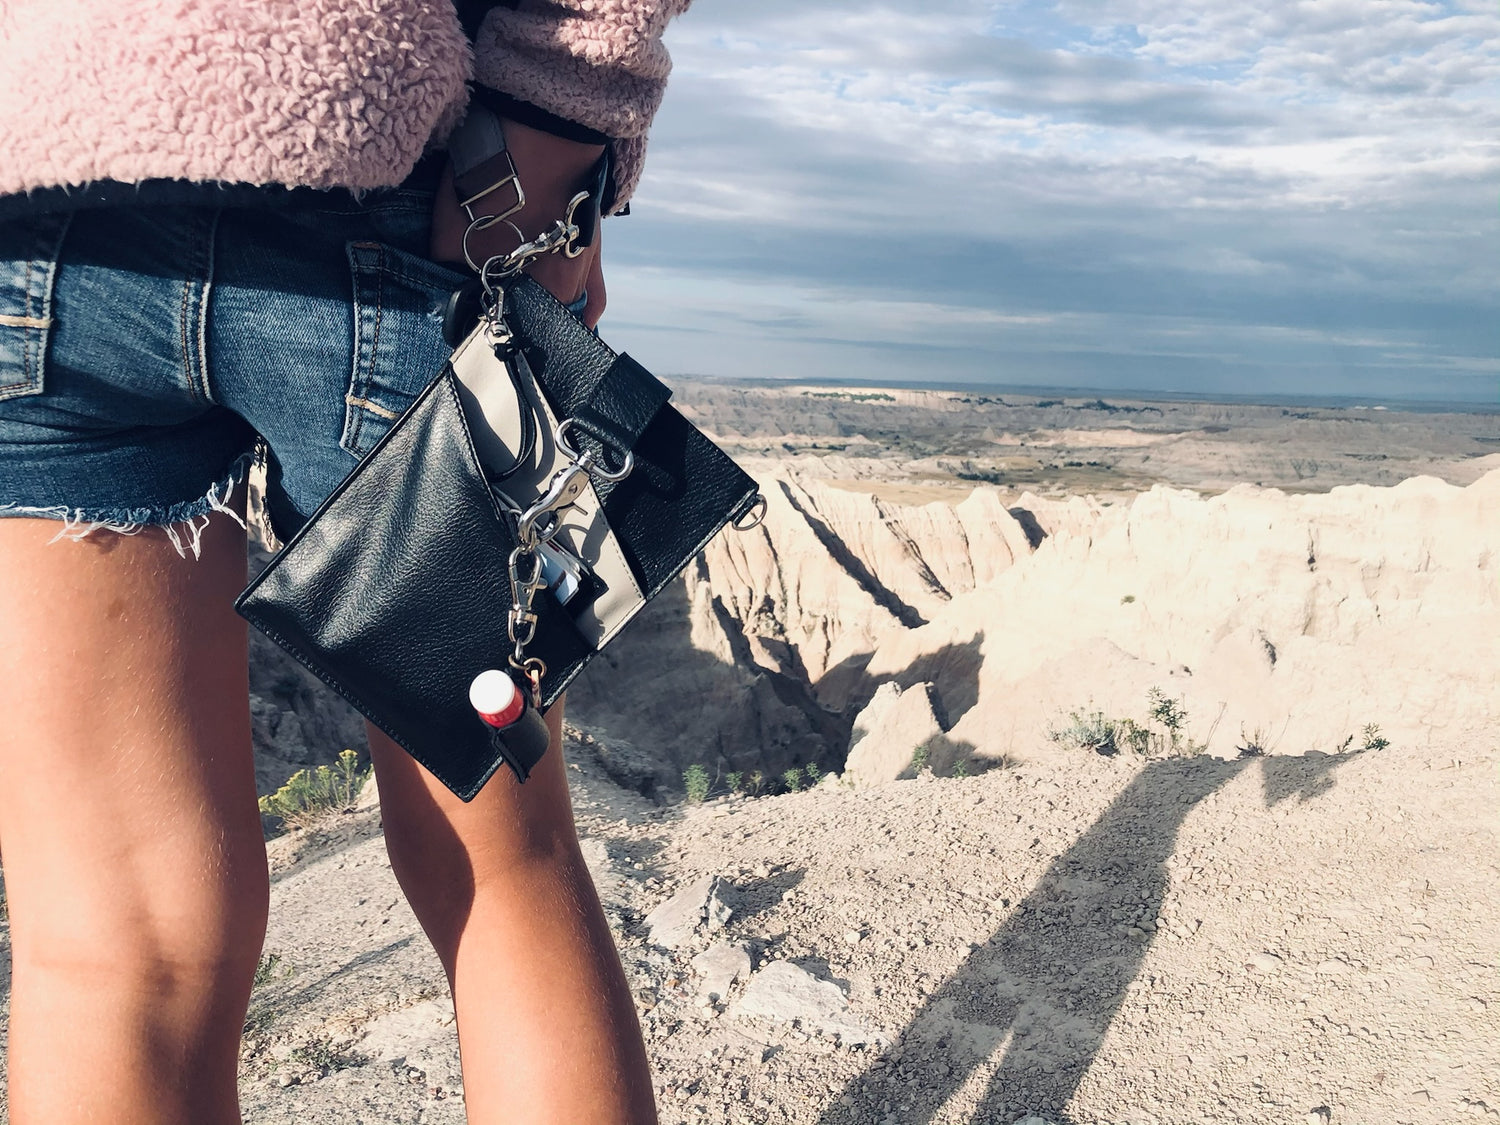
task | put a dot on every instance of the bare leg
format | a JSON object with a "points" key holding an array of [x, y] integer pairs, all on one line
{"points": [[546, 1023], [134, 863]]}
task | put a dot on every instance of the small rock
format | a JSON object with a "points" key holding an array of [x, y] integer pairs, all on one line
{"points": [[784, 992], [1319, 1116], [718, 911], [852, 937], [673, 924], [720, 966], [287, 1079], [1334, 967], [1265, 962]]}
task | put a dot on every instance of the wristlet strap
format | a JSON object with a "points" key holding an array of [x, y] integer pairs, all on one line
{"points": [[610, 397], [482, 166], [622, 404]]}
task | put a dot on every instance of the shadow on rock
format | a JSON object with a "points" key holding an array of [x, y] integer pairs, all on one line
{"points": [[750, 897], [672, 704]]}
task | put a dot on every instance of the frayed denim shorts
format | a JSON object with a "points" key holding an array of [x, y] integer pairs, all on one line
{"points": [[148, 353]]}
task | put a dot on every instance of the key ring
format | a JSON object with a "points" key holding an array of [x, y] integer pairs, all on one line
{"points": [[484, 222]]}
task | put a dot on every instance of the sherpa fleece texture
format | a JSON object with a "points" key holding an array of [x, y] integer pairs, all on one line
{"points": [[598, 62], [314, 93]]}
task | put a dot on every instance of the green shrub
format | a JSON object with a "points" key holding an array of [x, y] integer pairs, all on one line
{"points": [[961, 767], [266, 969], [1254, 744], [1166, 711], [310, 797], [1091, 731], [755, 783], [695, 779], [919, 759], [792, 779], [812, 773], [1170, 714], [1373, 739], [734, 780], [1130, 735]]}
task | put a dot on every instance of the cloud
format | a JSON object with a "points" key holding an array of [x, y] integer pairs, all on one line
{"points": [[1302, 187]]}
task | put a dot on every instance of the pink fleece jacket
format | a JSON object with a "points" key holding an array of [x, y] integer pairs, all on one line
{"points": [[316, 93]]}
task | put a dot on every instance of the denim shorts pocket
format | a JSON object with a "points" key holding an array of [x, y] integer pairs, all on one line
{"points": [[28, 267], [398, 337]]}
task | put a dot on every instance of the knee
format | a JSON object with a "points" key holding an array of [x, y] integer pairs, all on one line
{"points": [[453, 882], [158, 931]]}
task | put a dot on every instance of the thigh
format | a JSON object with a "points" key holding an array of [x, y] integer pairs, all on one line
{"points": [[127, 799], [445, 848]]}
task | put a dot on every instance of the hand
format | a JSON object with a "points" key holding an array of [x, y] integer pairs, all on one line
{"points": [[552, 171]]}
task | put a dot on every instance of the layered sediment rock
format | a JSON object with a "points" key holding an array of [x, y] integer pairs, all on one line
{"points": [[1276, 621]]}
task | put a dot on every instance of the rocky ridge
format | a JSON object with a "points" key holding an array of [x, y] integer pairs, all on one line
{"points": [[1275, 621]]}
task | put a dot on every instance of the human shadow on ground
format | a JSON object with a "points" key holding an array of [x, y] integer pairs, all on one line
{"points": [[1044, 990]]}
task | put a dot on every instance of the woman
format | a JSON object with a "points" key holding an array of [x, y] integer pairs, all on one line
{"points": [[218, 227]]}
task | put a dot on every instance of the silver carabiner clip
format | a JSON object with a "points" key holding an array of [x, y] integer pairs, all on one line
{"points": [[571, 249], [563, 490], [595, 468]]}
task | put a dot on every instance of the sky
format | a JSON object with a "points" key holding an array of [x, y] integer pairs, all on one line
{"points": [[1272, 197]]}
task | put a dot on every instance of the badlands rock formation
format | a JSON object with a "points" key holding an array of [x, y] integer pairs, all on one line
{"points": [[1278, 622], [1308, 931]]}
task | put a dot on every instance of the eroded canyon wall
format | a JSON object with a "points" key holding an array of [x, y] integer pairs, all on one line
{"points": [[1282, 622]]}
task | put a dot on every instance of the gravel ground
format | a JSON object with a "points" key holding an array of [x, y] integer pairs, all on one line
{"points": [[1082, 940]]}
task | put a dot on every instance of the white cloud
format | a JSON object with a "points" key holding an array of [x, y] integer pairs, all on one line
{"points": [[1328, 162]]}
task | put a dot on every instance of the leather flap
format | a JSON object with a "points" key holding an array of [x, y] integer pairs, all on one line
{"points": [[395, 593], [622, 404]]}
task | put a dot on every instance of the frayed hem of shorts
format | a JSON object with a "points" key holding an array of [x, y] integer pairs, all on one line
{"points": [[183, 523]]}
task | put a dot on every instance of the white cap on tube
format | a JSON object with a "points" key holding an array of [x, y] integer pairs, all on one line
{"points": [[497, 699]]}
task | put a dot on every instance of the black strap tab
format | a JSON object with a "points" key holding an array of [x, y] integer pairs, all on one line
{"points": [[622, 404]]}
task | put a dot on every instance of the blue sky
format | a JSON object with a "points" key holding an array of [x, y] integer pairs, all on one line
{"points": [[1225, 196]]}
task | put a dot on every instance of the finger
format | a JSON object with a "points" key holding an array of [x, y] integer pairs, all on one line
{"points": [[448, 222], [594, 287]]}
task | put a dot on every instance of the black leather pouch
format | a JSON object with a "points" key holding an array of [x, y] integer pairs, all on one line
{"points": [[397, 591]]}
